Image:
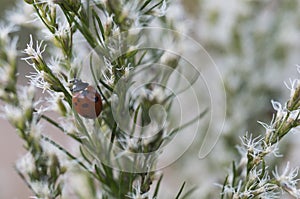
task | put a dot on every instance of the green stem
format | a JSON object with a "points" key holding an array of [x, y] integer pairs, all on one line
{"points": [[72, 157], [51, 121]]}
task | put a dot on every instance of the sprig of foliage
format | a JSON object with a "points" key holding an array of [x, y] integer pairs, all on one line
{"points": [[250, 177], [39, 168], [113, 162]]}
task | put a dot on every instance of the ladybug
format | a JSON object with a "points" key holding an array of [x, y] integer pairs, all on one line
{"points": [[86, 100]]}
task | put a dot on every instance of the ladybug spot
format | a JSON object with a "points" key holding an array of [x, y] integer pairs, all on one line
{"points": [[85, 105]]}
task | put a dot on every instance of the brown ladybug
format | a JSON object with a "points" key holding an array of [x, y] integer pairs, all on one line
{"points": [[86, 100]]}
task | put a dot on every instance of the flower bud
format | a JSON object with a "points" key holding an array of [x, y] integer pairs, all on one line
{"points": [[61, 106], [69, 5], [29, 1]]}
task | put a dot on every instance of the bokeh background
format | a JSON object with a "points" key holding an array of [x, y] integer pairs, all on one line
{"points": [[11, 185], [256, 46]]}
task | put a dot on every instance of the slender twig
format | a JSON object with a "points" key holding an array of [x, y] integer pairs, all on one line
{"points": [[25, 180], [51, 121]]}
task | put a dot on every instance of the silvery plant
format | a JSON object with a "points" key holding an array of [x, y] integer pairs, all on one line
{"points": [[127, 86]]}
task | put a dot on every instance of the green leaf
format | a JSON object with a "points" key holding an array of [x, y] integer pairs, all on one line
{"points": [[135, 119], [180, 191], [96, 80], [51, 121], [223, 188], [153, 7], [108, 172], [234, 174], [157, 187], [145, 4], [141, 58], [100, 176], [97, 19], [84, 155], [188, 193]]}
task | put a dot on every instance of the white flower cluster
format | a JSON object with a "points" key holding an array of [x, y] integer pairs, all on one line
{"points": [[251, 176]]}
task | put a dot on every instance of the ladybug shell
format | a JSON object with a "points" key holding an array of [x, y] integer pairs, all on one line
{"points": [[87, 102]]}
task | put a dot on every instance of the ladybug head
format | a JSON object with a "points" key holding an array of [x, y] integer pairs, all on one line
{"points": [[78, 85]]}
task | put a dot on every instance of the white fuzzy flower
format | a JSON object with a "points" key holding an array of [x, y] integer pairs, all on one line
{"points": [[288, 180], [273, 194], [54, 102], [128, 146], [61, 31], [269, 127], [158, 93], [281, 111], [41, 188], [13, 114], [5, 71], [26, 96], [54, 65], [37, 79], [235, 191], [129, 10], [11, 49], [108, 75], [136, 194], [292, 86], [34, 53], [23, 14], [272, 149], [5, 30], [294, 115], [252, 145], [26, 164]]}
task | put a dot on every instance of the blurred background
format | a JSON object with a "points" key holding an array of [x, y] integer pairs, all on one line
{"points": [[256, 46], [11, 149]]}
